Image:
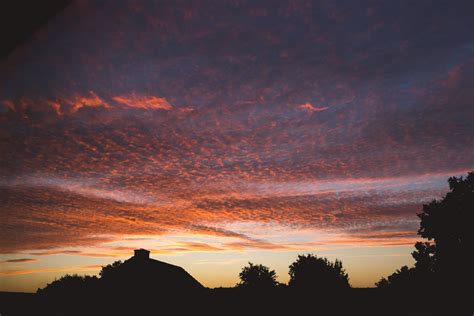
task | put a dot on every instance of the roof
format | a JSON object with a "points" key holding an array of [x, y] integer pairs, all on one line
{"points": [[146, 272]]}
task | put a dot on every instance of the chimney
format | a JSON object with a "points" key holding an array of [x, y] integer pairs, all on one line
{"points": [[142, 254]]}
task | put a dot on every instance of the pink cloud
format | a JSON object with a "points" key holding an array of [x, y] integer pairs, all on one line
{"points": [[146, 102], [91, 100], [310, 108]]}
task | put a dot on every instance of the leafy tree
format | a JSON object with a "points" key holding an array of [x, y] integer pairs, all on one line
{"points": [[257, 276], [309, 272], [110, 270], [446, 258], [424, 256], [400, 279], [448, 223]]}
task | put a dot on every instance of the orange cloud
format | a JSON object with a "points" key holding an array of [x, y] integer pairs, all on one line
{"points": [[310, 108], [56, 106], [92, 100], [143, 102]]}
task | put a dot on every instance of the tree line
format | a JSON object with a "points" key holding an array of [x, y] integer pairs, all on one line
{"points": [[309, 272]]}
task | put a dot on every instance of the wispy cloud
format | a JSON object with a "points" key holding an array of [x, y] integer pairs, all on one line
{"points": [[143, 102], [311, 108], [85, 187], [19, 260], [90, 100]]}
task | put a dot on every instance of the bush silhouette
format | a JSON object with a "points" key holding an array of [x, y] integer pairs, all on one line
{"points": [[257, 276], [69, 285], [65, 292], [310, 273]]}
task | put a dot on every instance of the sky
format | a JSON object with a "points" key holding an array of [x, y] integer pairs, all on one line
{"points": [[215, 133]]}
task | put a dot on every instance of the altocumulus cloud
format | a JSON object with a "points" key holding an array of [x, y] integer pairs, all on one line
{"points": [[300, 116]]}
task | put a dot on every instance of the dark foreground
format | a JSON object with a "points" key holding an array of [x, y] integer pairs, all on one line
{"points": [[232, 301]]}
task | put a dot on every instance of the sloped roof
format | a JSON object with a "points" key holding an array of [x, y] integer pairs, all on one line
{"points": [[146, 272]]}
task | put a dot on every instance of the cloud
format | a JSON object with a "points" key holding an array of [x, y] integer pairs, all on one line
{"points": [[312, 109], [85, 187], [191, 247], [90, 100], [187, 109], [52, 214], [20, 260], [103, 148], [56, 252], [72, 104], [143, 102], [9, 104]]}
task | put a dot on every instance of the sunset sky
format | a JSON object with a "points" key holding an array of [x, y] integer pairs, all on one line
{"points": [[214, 133]]}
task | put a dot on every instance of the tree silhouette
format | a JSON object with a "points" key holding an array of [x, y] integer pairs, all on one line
{"points": [[447, 255], [67, 291], [69, 285], [257, 276], [416, 278], [110, 270], [311, 273], [448, 223], [402, 279], [424, 257], [443, 267]]}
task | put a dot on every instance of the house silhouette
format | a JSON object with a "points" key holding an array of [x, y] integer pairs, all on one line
{"points": [[141, 274]]}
